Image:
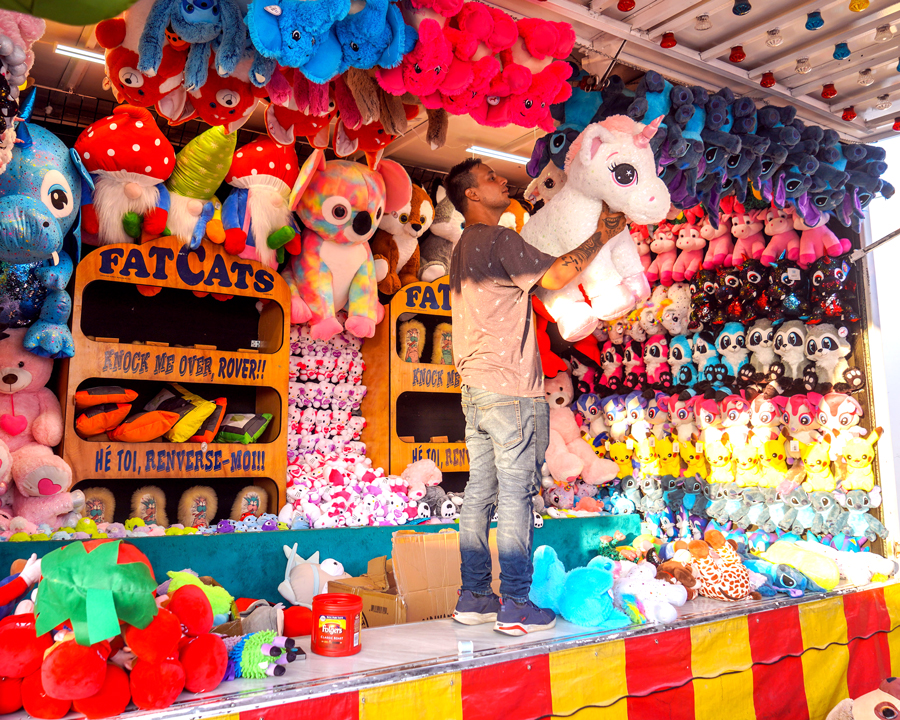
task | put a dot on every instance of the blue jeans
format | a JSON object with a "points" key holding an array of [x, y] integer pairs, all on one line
{"points": [[506, 438]]}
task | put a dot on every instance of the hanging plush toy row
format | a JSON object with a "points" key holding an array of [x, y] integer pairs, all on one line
{"points": [[715, 146], [312, 61]]}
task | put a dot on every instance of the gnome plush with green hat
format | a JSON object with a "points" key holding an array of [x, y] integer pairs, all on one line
{"points": [[200, 168]]}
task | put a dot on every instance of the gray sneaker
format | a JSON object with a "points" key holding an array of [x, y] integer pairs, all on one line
{"points": [[522, 618], [474, 609]]}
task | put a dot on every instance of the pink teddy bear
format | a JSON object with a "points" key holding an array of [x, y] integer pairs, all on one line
{"points": [[663, 244], [721, 244], [750, 242], [691, 244], [30, 426], [784, 239], [816, 240]]}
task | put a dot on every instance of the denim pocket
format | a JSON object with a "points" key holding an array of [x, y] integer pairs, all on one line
{"points": [[503, 422]]}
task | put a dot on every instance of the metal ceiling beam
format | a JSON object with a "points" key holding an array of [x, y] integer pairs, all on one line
{"points": [[888, 85], [686, 17], [655, 11], [842, 33], [837, 69], [760, 29], [598, 6]]}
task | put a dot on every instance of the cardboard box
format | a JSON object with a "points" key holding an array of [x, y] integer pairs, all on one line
{"points": [[382, 605], [427, 570], [419, 582]]}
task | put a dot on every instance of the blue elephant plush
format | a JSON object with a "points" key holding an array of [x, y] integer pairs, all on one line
{"points": [[300, 34], [40, 200]]}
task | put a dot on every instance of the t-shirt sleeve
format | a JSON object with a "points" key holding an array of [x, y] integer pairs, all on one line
{"points": [[524, 263]]}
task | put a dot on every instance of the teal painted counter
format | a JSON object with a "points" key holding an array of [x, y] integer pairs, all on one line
{"points": [[252, 564]]}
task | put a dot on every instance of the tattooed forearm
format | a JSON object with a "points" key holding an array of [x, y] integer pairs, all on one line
{"points": [[583, 254], [567, 267]]}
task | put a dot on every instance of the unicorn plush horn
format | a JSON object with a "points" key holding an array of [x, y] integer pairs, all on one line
{"points": [[642, 139]]}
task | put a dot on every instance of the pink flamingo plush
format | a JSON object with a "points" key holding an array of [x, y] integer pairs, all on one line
{"points": [[816, 240], [784, 239], [750, 242], [689, 259], [663, 244], [721, 244]]}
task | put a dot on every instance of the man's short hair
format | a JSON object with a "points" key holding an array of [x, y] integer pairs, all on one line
{"points": [[459, 179]]}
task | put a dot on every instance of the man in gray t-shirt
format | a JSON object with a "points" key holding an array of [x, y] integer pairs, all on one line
{"points": [[493, 272]]}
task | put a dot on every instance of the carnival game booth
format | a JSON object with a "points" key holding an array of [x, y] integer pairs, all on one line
{"points": [[228, 346]]}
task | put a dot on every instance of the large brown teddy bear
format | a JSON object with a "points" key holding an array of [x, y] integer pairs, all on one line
{"points": [[395, 245]]}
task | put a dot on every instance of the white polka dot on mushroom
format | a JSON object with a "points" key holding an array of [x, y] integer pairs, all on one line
{"points": [[258, 148], [110, 152], [253, 171], [165, 161], [113, 126], [87, 156], [287, 166], [272, 165], [240, 154], [148, 169], [136, 147], [156, 142], [139, 124]]}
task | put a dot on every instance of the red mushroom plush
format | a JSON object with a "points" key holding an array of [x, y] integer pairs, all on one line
{"points": [[256, 215], [129, 159]]}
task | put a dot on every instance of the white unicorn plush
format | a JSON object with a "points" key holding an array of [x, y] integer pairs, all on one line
{"points": [[611, 162]]}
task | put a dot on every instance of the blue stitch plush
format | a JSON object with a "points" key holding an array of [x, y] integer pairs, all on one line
{"points": [[299, 34], [210, 26], [40, 197]]}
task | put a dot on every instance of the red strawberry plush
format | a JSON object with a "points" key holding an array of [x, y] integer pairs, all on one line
{"points": [[71, 671], [112, 699], [155, 686], [38, 703], [158, 640]]}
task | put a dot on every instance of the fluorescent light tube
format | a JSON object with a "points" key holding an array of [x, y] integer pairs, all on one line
{"points": [[80, 54], [498, 154]]}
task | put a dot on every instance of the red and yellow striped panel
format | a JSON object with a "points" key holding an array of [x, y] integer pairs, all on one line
{"points": [[795, 662]]}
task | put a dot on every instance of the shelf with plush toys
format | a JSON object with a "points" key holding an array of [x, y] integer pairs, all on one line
{"points": [[143, 408], [417, 400], [723, 361]]}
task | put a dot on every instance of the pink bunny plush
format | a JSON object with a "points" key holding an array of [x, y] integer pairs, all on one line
{"points": [[663, 244], [721, 243], [816, 240], [784, 239], [689, 259], [749, 240]]}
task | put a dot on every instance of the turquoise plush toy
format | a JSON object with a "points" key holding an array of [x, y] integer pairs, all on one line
{"points": [[582, 596], [40, 199], [299, 34], [375, 36]]}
